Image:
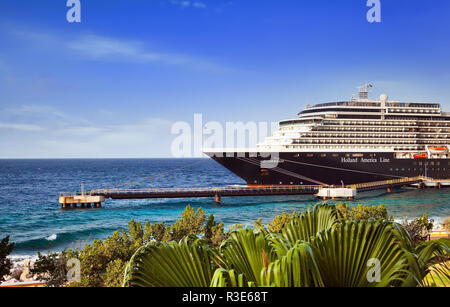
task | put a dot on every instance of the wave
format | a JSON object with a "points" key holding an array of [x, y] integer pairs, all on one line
{"points": [[52, 237], [57, 242]]}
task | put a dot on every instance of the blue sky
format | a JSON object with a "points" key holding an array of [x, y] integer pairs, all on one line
{"points": [[113, 85]]}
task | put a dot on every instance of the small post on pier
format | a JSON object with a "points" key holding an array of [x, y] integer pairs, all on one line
{"points": [[218, 200]]}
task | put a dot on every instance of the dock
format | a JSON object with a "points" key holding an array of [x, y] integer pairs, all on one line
{"points": [[216, 193], [95, 198], [81, 201]]}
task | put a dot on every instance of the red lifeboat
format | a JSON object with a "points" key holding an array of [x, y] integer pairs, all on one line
{"points": [[422, 155], [438, 148]]}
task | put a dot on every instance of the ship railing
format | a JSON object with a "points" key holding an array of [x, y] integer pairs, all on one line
{"points": [[386, 182]]}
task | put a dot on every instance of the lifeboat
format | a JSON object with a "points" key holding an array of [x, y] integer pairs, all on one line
{"points": [[422, 155], [438, 149]]}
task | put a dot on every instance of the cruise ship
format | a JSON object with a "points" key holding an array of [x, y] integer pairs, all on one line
{"points": [[348, 142]]}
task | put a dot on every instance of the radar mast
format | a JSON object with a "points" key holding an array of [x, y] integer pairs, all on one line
{"points": [[364, 91]]}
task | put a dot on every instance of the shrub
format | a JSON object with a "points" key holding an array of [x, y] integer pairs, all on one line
{"points": [[51, 268], [103, 262], [280, 221], [419, 229], [361, 212], [214, 233], [114, 273], [5, 263], [446, 224]]}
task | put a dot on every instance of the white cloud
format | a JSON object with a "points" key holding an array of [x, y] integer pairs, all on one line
{"points": [[104, 48], [186, 3], [112, 49], [68, 138], [200, 5], [35, 110], [21, 127]]}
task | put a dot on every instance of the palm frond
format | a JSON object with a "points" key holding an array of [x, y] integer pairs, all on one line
{"points": [[348, 254], [183, 264], [304, 227], [298, 268], [229, 278], [247, 253]]}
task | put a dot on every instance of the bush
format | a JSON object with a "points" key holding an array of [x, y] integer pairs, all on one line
{"points": [[419, 229], [361, 212], [446, 224], [5, 263], [51, 268], [280, 221], [103, 262], [214, 234], [114, 273]]}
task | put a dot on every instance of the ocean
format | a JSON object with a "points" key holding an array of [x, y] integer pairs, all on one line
{"points": [[31, 215]]}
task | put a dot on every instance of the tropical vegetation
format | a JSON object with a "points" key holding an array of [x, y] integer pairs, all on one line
{"points": [[325, 246], [5, 263], [446, 224]]}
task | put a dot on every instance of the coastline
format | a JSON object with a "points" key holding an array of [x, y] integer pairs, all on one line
{"points": [[21, 256]]}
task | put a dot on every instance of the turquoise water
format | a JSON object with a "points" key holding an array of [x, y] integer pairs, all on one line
{"points": [[31, 215]]}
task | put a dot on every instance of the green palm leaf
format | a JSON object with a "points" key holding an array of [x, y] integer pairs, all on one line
{"points": [[184, 264], [298, 268], [247, 253], [304, 227], [229, 278], [432, 253], [345, 254]]}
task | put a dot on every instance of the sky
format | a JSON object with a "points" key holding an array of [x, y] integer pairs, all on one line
{"points": [[113, 85]]}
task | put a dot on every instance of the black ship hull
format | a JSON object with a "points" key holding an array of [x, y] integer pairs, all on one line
{"points": [[327, 168]]}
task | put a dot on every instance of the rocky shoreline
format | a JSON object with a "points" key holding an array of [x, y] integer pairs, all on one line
{"points": [[21, 271]]}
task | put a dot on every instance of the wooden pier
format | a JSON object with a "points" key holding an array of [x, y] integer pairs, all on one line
{"points": [[95, 198]]}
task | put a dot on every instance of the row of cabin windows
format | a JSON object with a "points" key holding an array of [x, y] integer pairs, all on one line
{"points": [[368, 141], [362, 129], [372, 135], [356, 155], [426, 111], [387, 123]]}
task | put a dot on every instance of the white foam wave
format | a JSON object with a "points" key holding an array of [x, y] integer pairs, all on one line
{"points": [[52, 237]]}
